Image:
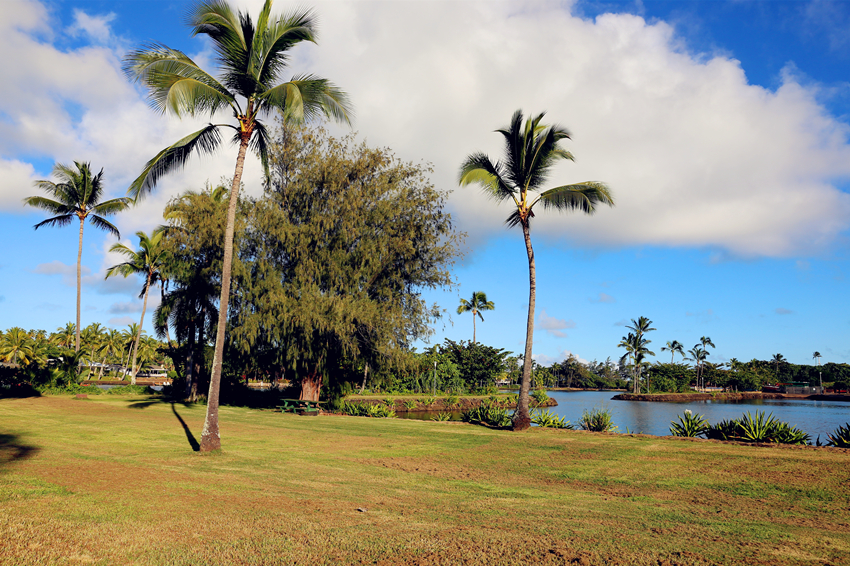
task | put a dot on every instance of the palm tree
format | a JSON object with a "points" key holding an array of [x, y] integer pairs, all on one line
{"points": [[698, 356], [91, 337], [478, 303], [639, 327], [252, 58], [129, 335], [78, 193], [817, 356], [777, 360], [16, 346], [111, 347], [147, 261], [64, 336], [674, 347], [531, 150]]}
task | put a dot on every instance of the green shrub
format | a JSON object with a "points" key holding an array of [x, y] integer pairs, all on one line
{"points": [[427, 402], [442, 417], [131, 390], [760, 427], [597, 420], [548, 419], [539, 396], [489, 413], [410, 404], [840, 438], [367, 410], [689, 425], [452, 400]]}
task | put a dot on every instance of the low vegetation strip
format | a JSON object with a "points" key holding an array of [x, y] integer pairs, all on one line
{"points": [[115, 480]]}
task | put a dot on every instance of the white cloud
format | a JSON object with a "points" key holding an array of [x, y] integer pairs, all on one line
{"points": [[552, 325], [695, 155], [95, 28], [603, 298], [781, 311], [546, 361]]}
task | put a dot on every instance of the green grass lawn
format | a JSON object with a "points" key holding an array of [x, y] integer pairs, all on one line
{"points": [[114, 480]]}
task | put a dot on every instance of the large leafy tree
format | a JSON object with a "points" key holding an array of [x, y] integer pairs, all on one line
{"points": [[531, 150], [475, 305], [147, 261], [252, 58], [79, 193], [334, 258]]}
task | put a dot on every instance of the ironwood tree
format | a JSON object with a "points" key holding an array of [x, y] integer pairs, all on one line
{"points": [[335, 256]]}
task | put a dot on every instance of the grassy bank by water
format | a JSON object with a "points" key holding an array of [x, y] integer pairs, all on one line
{"points": [[111, 480]]}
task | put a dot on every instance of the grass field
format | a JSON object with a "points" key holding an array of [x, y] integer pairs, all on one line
{"points": [[115, 480]]}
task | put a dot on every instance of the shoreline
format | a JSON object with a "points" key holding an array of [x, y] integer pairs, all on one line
{"points": [[728, 396]]}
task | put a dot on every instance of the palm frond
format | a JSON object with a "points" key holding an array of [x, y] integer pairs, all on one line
{"points": [[52, 206], [581, 196], [306, 97], [260, 145], [112, 206], [175, 82], [515, 219], [104, 224], [63, 220], [278, 37], [173, 158], [226, 27], [477, 168]]}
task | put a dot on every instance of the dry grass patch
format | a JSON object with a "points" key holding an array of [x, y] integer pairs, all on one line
{"points": [[115, 481]]}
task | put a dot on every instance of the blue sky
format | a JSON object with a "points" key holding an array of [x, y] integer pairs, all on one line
{"points": [[722, 128]]}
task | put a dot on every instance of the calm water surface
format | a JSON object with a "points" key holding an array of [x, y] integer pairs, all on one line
{"points": [[652, 417]]}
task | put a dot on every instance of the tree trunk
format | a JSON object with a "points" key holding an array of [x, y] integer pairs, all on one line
{"points": [[211, 438], [311, 386], [79, 284], [190, 362], [139, 335], [522, 418], [473, 327], [365, 373]]}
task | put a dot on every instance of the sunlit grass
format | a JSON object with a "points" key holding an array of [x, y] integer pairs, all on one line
{"points": [[111, 480]]}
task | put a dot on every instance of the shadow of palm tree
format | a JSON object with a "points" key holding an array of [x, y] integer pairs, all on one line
{"points": [[189, 436], [12, 449]]}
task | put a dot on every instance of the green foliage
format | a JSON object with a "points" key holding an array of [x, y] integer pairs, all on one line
{"points": [[548, 419], [131, 390], [540, 397], [477, 364], [669, 377], [840, 437], [373, 410], [320, 285], [410, 404], [442, 417], [597, 420], [757, 428], [452, 401], [689, 425], [489, 413], [428, 401]]}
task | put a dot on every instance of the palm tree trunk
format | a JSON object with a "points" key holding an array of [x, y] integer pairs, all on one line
{"points": [[473, 327], [210, 437], [139, 335], [79, 283], [522, 418], [365, 373]]}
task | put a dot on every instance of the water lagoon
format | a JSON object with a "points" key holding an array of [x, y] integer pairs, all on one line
{"points": [[654, 417]]}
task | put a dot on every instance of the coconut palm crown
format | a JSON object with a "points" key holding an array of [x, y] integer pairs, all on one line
{"points": [[77, 193], [251, 58], [531, 150], [478, 303]]}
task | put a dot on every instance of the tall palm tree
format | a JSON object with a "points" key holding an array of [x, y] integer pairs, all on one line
{"points": [[674, 347], [252, 58], [129, 336], [698, 355], [78, 193], [146, 261], [477, 304], [111, 347], [817, 356], [531, 150], [64, 336], [638, 328]]}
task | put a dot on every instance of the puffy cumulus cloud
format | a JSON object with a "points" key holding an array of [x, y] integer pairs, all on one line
{"points": [[68, 272], [121, 321], [552, 325], [695, 155]]}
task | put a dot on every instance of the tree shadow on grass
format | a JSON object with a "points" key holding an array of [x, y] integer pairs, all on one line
{"points": [[189, 436], [11, 449]]}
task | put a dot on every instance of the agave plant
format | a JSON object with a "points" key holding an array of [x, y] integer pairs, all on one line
{"points": [[442, 417], [724, 430], [548, 419], [427, 402], [597, 420], [489, 413], [756, 428], [840, 438], [689, 425]]}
